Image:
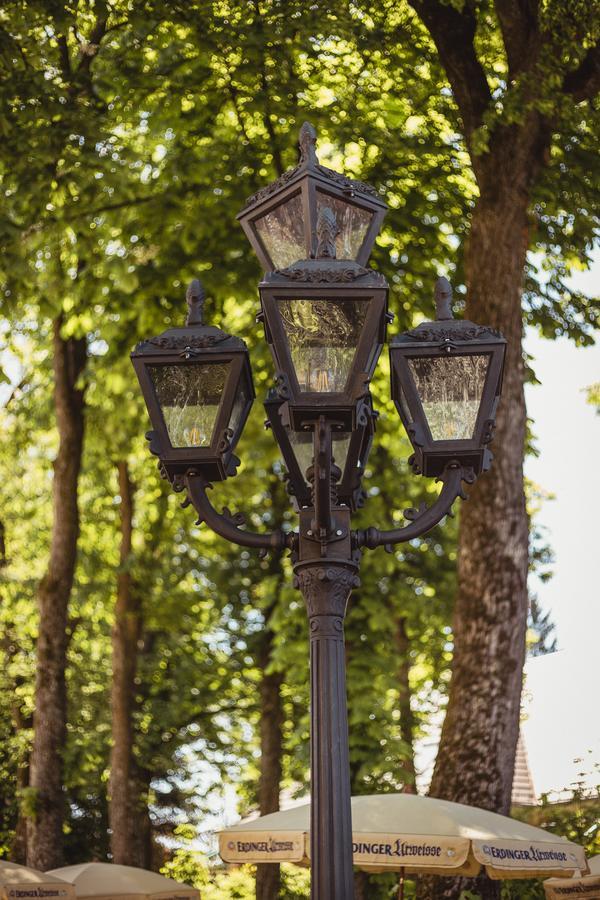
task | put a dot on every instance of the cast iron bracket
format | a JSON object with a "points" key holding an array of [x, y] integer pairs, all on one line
{"points": [[227, 524], [423, 520]]}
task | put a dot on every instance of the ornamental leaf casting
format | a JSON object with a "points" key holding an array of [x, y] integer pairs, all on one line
{"points": [[224, 444], [282, 386], [325, 274], [349, 184], [326, 588], [489, 426], [455, 333], [182, 342], [275, 186], [327, 231], [154, 441], [308, 145]]}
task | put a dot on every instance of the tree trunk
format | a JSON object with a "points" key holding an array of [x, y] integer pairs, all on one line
{"points": [[46, 773], [143, 847], [123, 794], [361, 886], [407, 719], [475, 760], [271, 747], [18, 847], [20, 723]]}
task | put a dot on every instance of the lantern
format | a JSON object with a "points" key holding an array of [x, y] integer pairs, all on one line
{"points": [[197, 385], [280, 220], [446, 383], [350, 451], [325, 329]]}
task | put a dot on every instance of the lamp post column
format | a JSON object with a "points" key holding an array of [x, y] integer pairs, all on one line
{"points": [[326, 582]]}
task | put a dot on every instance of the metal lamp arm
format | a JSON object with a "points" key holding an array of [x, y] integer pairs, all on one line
{"points": [[452, 478], [227, 524]]}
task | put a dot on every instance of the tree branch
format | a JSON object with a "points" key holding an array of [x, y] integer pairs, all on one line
{"points": [[520, 30], [453, 33], [584, 82], [17, 390], [65, 60], [90, 49]]}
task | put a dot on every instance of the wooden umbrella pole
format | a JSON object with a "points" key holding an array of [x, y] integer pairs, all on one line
{"points": [[401, 885]]}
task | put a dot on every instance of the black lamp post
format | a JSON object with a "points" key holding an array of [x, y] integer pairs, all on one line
{"points": [[325, 318]]}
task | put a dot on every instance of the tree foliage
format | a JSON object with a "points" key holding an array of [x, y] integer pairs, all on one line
{"points": [[131, 135]]}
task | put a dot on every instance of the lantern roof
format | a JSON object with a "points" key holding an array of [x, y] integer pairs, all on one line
{"points": [[194, 335], [309, 164], [446, 329]]}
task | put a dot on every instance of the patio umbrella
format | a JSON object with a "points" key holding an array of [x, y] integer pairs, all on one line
{"points": [[19, 881], [105, 881], [412, 835], [584, 886]]}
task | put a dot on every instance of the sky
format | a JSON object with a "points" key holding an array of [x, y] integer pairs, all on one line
{"points": [[567, 434], [561, 718]]}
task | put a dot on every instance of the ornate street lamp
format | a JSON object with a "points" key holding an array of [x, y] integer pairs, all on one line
{"points": [[325, 318]]}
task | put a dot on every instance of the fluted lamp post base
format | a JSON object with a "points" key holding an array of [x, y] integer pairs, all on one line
{"points": [[326, 587]]}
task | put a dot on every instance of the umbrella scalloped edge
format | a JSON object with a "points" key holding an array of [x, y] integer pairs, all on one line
{"points": [[588, 886], [414, 853], [518, 859], [262, 846]]}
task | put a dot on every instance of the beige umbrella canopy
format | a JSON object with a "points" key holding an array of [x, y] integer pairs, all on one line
{"points": [[584, 886], [19, 881], [105, 881], [410, 834]]}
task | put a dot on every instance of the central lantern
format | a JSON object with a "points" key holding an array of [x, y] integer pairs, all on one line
{"points": [[325, 344]]}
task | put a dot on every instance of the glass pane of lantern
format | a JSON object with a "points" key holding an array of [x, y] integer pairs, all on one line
{"points": [[240, 404], [189, 398], [450, 389], [341, 445], [352, 221], [302, 444], [404, 405], [323, 336], [282, 233]]}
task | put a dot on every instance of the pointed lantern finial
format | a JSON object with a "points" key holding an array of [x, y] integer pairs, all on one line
{"points": [[443, 299], [308, 145], [327, 231], [195, 297]]}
